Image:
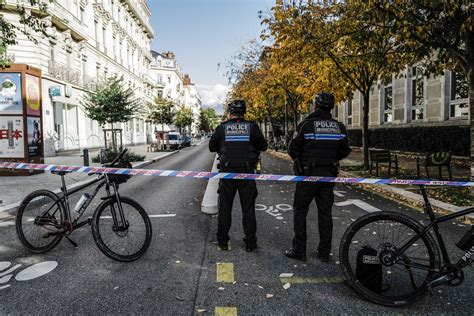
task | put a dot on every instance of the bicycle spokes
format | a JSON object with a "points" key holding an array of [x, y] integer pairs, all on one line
{"points": [[398, 270]]}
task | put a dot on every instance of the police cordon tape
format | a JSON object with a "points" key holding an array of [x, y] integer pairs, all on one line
{"points": [[223, 175]]}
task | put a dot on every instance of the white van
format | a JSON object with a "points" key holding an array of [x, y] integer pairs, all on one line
{"points": [[175, 140]]}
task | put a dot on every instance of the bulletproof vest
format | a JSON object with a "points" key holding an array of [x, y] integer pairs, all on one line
{"points": [[236, 150], [322, 137]]}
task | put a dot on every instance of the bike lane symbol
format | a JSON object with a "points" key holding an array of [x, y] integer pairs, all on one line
{"points": [[275, 211], [32, 272]]}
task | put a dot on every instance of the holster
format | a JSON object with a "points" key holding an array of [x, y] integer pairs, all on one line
{"points": [[298, 167]]}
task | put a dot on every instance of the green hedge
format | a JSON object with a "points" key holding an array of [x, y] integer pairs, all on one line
{"points": [[417, 139]]}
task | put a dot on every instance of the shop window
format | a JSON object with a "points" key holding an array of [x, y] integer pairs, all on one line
{"points": [[459, 100]]}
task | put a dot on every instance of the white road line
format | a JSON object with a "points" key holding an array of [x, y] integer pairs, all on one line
{"points": [[361, 204], [339, 193]]}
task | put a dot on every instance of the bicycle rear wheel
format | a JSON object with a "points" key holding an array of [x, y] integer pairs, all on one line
{"points": [[404, 278], [40, 217], [128, 241]]}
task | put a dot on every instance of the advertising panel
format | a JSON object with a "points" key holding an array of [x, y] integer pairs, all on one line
{"points": [[34, 136], [32, 95], [11, 137], [10, 93]]}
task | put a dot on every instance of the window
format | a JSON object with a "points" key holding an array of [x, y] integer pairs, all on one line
{"points": [[169, 79], [82, 14], [417, 94], [458, 105], [387, 104], [104, 38], [349, 112]]}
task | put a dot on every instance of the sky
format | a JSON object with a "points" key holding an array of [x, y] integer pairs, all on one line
{"points": [[204, 33]]}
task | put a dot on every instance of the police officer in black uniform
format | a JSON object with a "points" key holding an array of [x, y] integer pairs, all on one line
{"points": [[238, 143], [317, 146]]}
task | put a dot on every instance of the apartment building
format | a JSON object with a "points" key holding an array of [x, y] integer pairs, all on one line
{"points": [[415, 103], [88, 40], [175, 86]]}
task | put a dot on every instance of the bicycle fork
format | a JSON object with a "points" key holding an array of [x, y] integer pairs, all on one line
{"points": [[120, 224]]}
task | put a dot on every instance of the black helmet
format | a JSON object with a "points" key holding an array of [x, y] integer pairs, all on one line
{"points": [[324, 100], [237, 107]]}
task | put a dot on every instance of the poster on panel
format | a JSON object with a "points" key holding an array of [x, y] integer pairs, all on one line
{"points": [[35, 137], [33, 105], [11, 137], [10, 93]]}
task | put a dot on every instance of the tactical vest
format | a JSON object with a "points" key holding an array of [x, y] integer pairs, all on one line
{"points": [[236, 151], [322, 142]]}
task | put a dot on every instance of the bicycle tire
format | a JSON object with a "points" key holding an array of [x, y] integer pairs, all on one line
{"points": [[20, 223], [99, 224], [350, 276]]}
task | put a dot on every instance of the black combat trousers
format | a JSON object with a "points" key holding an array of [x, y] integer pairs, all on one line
{"points": [[247, 193], [323, 194]]}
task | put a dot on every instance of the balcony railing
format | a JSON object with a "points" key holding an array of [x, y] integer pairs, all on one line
{"points": [[64, 73]]}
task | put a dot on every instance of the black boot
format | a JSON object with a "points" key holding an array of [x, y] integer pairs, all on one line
{"points": [[291, 253]]}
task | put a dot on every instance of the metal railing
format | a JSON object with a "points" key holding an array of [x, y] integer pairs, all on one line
{"points": [[64, 73]]}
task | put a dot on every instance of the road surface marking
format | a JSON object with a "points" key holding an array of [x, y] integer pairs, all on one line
{"points": [[37, 270], [361, 204], [339, 193], [225, 311], [228, 246], [312, 280], [225, 272], [274, 210]]}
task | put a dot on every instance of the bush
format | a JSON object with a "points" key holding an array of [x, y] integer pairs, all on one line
{"points": [[417, 139], [110, 155]]}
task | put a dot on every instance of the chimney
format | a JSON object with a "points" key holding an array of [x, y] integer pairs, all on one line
{"points": [[186, 80], [169, 55]]}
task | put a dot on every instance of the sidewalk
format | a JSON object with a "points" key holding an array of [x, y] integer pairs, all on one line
{"points": [[14, 189], [407, 166]]}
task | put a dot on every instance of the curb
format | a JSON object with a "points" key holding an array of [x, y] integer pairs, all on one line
{"points": [[10, 209], [209, 201], [400, 195]]}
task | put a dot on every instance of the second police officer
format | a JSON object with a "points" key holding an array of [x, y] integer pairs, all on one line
{"points": [[316, 148], [238, 143]]}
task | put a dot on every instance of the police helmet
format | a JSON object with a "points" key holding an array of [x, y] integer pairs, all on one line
{"points": [[237, 107], [324, 100]]}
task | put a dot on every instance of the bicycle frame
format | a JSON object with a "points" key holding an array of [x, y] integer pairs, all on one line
{"points": [[434, 225], [64, 199]]}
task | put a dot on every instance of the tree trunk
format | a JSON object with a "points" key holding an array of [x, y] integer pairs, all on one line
{"points": [[365, 129], [114, 143]]}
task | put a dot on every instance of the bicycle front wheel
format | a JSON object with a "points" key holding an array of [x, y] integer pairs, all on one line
{"points": [[40, 221], [401, 278], [124, 239]]}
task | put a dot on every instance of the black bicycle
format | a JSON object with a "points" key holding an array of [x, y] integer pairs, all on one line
{"points": [[120, 226], [406, 259]]}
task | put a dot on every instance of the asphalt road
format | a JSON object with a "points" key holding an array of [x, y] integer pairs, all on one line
{"points": [[184, 273]]}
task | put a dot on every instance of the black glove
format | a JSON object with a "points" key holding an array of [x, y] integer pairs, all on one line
{"points": [[297, 167]]}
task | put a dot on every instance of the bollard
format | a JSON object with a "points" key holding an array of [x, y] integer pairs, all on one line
{"points": [[85, 154]]}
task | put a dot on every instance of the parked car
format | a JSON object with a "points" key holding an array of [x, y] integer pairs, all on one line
{"points": [[175, 140], [186, 141]]}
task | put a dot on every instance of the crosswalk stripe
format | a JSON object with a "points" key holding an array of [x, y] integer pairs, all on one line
{"points": [[225, 272]]}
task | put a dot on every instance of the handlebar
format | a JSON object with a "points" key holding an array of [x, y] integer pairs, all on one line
{"points": [[111, 164]]}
